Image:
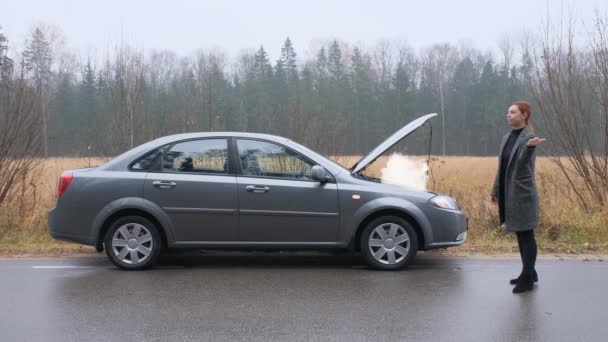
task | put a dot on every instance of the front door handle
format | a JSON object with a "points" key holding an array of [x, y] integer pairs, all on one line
{"points": [[257, 188], [164, 184]]}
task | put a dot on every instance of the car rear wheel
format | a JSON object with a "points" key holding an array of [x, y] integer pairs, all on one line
{"points": [[389, 243], [133, 243]]}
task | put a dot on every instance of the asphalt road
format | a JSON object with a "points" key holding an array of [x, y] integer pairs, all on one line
{"points": [[299, 298]]}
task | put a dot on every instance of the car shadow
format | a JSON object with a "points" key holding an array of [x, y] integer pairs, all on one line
{"points": [[291, 260]]}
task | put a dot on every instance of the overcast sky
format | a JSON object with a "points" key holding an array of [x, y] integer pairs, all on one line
{"points": [[185, 26]]}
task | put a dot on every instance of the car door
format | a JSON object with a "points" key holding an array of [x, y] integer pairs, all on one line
{"points": [[278, 200], [196, 189]]}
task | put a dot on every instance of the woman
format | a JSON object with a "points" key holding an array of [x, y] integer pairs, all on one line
{"points": [[515, 192]]}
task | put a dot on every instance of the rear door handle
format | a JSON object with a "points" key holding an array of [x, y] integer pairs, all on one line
{"points": [[164, 184], [257, 188]]}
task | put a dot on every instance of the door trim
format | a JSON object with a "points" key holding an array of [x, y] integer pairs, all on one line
{"points": [[176, 210], [251, 212], [241, 244]]}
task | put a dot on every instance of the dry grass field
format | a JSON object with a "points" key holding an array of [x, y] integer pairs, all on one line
{"points": [[564, 226]]}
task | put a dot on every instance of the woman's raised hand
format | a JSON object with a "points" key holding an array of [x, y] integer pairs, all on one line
{"points": [[535, 141]]}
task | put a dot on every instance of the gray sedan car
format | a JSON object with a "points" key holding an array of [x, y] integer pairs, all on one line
{"points": [[248, 191]]}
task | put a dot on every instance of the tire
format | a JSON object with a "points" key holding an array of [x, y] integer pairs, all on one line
{"points": [[393, 251], [122, 247]]}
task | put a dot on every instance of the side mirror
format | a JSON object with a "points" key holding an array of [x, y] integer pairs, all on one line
{"points": [[320, 174]]}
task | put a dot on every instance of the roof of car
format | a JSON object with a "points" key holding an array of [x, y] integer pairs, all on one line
{"points": [[194, 135]]}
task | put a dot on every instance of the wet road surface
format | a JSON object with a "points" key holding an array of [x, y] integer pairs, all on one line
{"points": [[294, 297]]}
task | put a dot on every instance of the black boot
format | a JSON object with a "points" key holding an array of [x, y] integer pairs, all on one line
{"points": [[526, 283], [514, 281]]}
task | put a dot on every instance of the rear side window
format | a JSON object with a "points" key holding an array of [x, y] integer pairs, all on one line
{"points": [[147, 161], [198, 156]]}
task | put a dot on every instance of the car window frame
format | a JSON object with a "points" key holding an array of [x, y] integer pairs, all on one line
{"points": [[291, 150], [153, 164], [159, 168]]}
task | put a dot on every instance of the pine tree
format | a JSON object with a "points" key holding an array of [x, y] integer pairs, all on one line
{"points": [[261, 67], [5, 61], [335, 61], [488, 118], [462, 93], [38, 58], [216, 88], [88, 79], [338, 85], [288, 59], [280, 83], [306, 90], [3, 43], [362, 99], [321, 64], [403, 96], [263, 77], [88, 104]]}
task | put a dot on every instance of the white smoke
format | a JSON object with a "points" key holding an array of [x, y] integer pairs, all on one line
{"points": [[405, 171]]}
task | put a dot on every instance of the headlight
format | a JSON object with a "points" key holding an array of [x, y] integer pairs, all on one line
{"points": [[445, 202]]}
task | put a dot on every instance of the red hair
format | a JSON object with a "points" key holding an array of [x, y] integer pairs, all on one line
{"points": [[524, 107]]}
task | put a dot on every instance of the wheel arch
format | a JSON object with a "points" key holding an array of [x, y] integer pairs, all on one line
{"points": [[409, 217], [127, 207]]}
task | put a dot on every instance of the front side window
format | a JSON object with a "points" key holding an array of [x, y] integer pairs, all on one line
{"points": [[198, 156], [264, 159]]}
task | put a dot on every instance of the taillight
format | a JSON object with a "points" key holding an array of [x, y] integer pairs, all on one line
{"points": [[64, 182]]}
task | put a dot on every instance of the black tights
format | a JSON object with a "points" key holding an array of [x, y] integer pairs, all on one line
{"points": [[527, 250]]}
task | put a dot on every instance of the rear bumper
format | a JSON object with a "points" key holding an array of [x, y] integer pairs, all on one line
{"points": [[58, 229]]}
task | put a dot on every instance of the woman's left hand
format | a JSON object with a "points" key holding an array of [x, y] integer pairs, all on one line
{"points": [[535, 141]]}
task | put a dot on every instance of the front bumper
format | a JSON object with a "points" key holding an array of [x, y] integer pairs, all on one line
{"points": [[450, 228]]}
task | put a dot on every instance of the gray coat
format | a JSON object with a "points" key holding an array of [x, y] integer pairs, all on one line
{"points": [[521, 197]]}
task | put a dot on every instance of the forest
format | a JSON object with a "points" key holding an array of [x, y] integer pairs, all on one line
{"points": [[342, 101]]}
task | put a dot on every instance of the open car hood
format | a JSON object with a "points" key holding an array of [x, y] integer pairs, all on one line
{"points": [[390, 142]]}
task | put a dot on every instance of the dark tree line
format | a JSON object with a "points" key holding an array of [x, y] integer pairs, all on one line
{"points": [[344, 100]]}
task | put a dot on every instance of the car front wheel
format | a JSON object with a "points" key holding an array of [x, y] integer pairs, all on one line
{"points": [[389, 243], [133, 243]]}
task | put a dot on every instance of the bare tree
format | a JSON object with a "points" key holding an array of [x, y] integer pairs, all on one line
{"points": [[209, 72], [570, 86], [505, 45], [20, 122], [441, 59], [383, 57], [127, 81], [162, 67]]}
